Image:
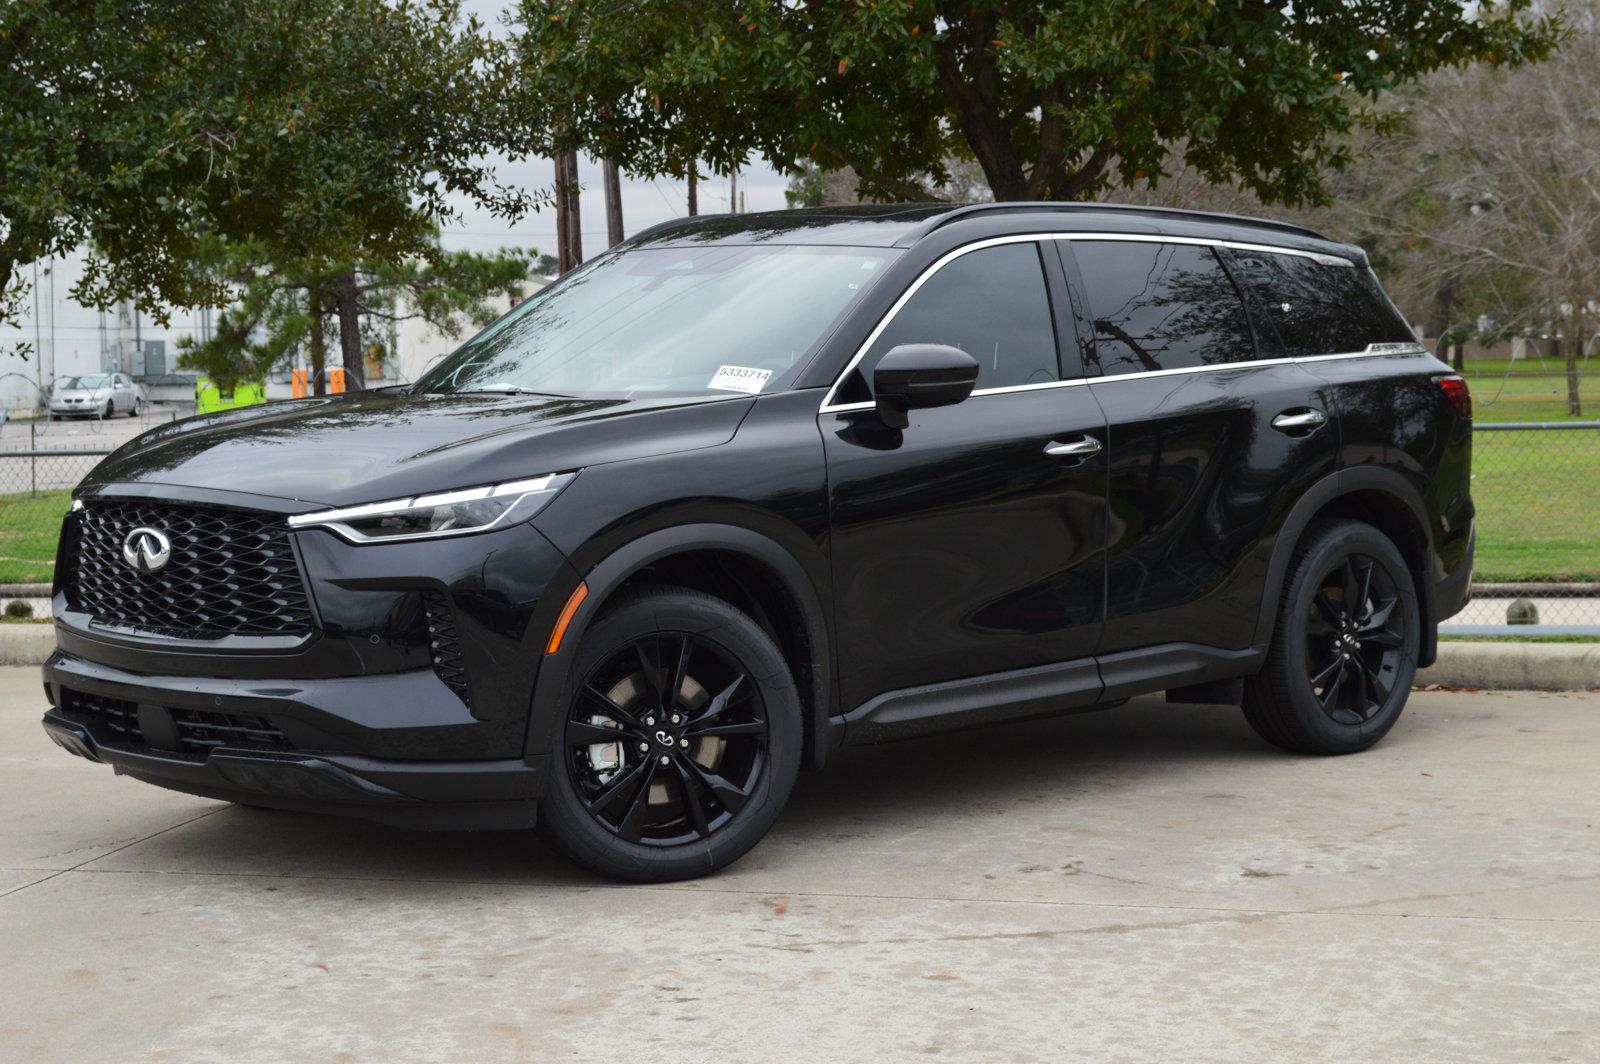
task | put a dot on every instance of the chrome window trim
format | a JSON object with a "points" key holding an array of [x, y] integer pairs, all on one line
{"points": [[831, 407]]}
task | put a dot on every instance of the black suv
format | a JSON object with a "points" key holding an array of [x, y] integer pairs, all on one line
{"points": [[748, 489]]}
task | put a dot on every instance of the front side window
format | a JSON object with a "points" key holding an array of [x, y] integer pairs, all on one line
{"points": [[991, 303], [666, 321], [1161, 306], [1310, 308]]}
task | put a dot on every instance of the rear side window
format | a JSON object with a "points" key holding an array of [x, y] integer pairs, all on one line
{"points": [[1161, 306], [992, 304], [1307, 308]]}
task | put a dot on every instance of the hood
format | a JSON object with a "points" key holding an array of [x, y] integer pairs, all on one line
{"points": [[370, 447]]}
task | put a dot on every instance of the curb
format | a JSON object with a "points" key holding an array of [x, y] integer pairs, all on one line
{"points": [[26, 644], [1515, 666], [1494, 666]]}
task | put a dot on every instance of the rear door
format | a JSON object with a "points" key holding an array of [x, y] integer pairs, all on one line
{"points": [[1210, 444], [960, 545]]}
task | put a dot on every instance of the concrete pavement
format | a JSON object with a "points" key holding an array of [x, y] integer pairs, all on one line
{"points": [[1148, 884]]}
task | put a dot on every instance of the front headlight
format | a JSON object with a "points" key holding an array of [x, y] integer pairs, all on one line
{"points": [[448, 513]]}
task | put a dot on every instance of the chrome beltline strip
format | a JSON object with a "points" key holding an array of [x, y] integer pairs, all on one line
{"points": [[830, 407]]}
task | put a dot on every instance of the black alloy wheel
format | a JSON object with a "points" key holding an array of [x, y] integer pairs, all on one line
{"points": [[1353, 645], [678, 742], [667, 739], [1345, 641]]}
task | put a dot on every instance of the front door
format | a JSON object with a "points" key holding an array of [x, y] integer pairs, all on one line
{"points": [[961, 546]]}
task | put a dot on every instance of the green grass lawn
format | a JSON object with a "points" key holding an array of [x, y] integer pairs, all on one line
{"points": [[1538, 499], [29, 526], [1525, 390]]}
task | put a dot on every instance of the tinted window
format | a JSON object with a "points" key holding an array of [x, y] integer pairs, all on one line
{"points": [[990, 303], [1161, 306], [1308, 308]]}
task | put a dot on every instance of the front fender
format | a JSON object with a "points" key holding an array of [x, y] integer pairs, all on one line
{"points": [[606, 576]]}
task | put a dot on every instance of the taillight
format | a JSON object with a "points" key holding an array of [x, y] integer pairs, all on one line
{"points": [[1455, 389]]}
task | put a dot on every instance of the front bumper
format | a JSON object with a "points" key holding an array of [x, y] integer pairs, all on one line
{"points": [[407, 701], [305, 745], [275, 745]]}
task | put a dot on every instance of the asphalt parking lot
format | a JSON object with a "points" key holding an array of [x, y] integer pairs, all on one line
{"points": [[1148, 884]]}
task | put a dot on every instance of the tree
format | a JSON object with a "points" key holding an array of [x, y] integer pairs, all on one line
{"points": [[141, 128], [1053, 100], [279, 307], [1516, 159]]}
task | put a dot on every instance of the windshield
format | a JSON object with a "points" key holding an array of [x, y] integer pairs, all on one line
{"points": [[98, 380], [698, 320]]}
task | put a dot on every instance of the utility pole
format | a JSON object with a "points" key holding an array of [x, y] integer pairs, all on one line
{"points": [[613, 182], [38, 339], [694, 193]]}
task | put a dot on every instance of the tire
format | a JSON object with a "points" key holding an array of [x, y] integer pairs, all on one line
{"points": [[1335, 681], [625, 812], [138, 408], [109, 412]]}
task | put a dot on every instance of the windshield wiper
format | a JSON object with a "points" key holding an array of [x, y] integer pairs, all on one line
{"points": [[510, 389]]}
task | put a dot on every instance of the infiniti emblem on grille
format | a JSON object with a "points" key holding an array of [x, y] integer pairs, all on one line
{"points": [[147, 549]]}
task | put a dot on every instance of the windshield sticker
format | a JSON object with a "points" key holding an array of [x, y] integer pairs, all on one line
{"points": [[739, 379]]}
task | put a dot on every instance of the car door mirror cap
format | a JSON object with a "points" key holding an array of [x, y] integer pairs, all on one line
{"points": [[915, 376]]}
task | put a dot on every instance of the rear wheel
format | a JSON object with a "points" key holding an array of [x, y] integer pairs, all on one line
{"points": [[680, 742], [1344, 649]]}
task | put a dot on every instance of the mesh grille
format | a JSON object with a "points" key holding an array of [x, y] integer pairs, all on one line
{"points": [[443, 645], [232, 572]]}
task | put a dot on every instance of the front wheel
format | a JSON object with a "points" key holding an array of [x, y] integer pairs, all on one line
{"points": [[1344, 649], [680, 741], [137, 409]]}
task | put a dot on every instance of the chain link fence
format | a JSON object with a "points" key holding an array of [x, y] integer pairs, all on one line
{"points": [[1536, 485]]}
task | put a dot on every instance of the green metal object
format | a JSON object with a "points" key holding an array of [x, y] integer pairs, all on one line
{"points": [[209, 397]]}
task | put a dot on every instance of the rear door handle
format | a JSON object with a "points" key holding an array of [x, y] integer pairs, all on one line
{"points": [[1300, 421], [1082, 447]]}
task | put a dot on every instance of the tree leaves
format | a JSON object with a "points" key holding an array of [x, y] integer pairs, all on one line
{"points": [[1054, 99]]}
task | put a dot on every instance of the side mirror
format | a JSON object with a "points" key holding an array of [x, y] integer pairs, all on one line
{"points": [[913, 376]]}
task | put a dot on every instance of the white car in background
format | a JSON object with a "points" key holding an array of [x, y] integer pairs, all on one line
{"points": [[97, 395]]}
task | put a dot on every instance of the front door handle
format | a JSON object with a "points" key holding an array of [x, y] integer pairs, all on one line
{"points": [[1082, 447], [1300, 421]]}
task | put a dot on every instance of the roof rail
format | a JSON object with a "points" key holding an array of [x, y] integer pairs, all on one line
{"points": [[1017, 206], [670, 223]]}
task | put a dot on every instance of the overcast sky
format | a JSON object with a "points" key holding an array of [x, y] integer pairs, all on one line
{"points": [[644, 203]]}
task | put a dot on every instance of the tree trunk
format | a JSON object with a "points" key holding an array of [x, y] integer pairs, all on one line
{"points": [[1574, 352], [574, 213], [347, 301], [613, 204], [569, 227], [317, 345], [563, 254], [1442, 317], [733, 192], [1460, 359], [694, 192]]}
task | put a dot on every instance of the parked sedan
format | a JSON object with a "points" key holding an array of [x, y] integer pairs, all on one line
{"points": [[97, 395]]}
